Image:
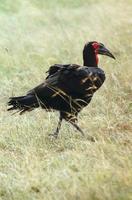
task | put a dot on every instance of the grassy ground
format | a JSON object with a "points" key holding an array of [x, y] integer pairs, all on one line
{"points": [[33, 35]]}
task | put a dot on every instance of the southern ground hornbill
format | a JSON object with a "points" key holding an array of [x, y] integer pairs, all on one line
{"points": [[67, 88]]}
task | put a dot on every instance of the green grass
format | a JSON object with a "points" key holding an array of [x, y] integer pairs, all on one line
{"points": [[35, 34]]}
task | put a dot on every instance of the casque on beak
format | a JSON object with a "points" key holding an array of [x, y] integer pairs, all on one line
{"points": [[103, 51]]}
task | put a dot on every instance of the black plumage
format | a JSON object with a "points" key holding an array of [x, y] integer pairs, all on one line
{"points": [[67, 88]]}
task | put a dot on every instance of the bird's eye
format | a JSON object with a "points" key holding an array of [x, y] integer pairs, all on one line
{"points": [[95, 45]]}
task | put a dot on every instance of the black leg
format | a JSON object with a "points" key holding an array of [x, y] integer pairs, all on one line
{"points": [[55, 134], [80, 130], [77, 127]]}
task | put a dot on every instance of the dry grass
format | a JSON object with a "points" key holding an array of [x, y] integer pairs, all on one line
{"points": [[34, 35]]}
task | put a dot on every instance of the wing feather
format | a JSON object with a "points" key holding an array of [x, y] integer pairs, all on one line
{"points": [[69, 85]]}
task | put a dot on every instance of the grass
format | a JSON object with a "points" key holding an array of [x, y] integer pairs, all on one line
{"points": [[34, 35]]}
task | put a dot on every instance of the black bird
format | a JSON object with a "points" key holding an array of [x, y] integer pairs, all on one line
{"points": [[67, 88]]}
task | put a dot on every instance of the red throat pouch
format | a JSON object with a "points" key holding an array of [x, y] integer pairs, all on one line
{"points": [[96, 46], [97, 58]]}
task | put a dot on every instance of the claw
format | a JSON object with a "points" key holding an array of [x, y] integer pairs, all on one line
{"points": [[54, 135], [90, 138]]}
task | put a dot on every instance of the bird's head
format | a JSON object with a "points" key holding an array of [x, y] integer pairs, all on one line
{"points": [[91, 51]]}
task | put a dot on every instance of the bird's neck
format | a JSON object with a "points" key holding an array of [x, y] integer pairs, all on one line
{"points": [[90, 58]]}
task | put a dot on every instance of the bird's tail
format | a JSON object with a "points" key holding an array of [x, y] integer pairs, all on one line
{"points": [[23, 103]]}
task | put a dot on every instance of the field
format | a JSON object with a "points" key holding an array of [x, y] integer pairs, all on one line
{"points": [[35, 34]]}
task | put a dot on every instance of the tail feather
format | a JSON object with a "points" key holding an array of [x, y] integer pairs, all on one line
{"points": [[23, 103]]}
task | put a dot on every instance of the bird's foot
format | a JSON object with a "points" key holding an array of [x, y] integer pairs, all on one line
{"points": [[82, 133], [91, 138], [54, 135]]}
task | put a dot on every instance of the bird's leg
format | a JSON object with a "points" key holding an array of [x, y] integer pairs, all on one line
{"points": [[55, 134], [77, 127], [80, 130]]}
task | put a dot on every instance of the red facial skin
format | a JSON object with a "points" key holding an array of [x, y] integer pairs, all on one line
{"points": [[96, 47]]}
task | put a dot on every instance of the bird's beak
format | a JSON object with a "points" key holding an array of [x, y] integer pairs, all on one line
{"points": [[104, 51]]}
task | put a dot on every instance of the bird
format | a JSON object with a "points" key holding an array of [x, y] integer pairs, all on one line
{"points": [[68, 88]]}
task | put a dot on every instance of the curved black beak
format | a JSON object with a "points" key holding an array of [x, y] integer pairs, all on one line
{"points": [[103, 51]]}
